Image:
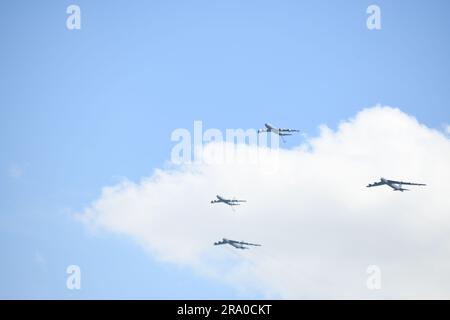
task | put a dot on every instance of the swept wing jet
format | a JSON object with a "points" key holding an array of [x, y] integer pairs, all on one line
{"points": [[395, 185], [279, 131], [237, 244], [230, 202]]}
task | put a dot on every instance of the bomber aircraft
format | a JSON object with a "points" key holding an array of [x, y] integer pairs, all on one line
{"points": [[237, 244], [395, 185], [230, 202], [279, 131]]}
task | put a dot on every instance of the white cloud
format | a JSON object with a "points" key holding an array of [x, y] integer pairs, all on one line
{"points": [[319, 226], [447, 128]]}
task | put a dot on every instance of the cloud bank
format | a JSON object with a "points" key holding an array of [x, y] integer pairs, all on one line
{"points": [[319, 226]]}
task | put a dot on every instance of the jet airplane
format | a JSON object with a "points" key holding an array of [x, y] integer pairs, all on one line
{"points": [[395, 185], [279, 131], [237, 244], [230, 202]]}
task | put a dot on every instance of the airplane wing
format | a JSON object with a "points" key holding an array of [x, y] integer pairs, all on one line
{"points": [[219, 243], [288, 130], [407, 183], [375, 184], [249, 244], [234, 200]]}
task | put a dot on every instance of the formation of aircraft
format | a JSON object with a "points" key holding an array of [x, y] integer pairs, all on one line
{"points": [[230, 202], [237, 244], [279, 131], [395, 185]]}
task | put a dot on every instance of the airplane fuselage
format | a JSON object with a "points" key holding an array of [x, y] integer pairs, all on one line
{"points": [[236, 244], [227, 201]]}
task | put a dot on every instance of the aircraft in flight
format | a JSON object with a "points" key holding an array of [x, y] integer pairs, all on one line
{"points": [[396, 185], [279, 131], [237, 244], [230, 202]]}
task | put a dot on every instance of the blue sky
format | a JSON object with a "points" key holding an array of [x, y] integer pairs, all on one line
{"points": [[80, 109]]}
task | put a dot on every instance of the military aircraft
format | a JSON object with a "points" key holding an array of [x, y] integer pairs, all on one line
{"points": [[396, 185], [237, 244], [281, 132], [230, 202]]}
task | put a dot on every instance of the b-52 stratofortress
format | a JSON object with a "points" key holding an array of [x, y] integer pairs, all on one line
{"points": [[230, 202], [279, 131], [237, 244], [396, 185]]}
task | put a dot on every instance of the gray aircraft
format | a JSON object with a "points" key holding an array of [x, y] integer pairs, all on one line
{"points": [[396, 185], [237, 244], [230, 202], [279, 131]]}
